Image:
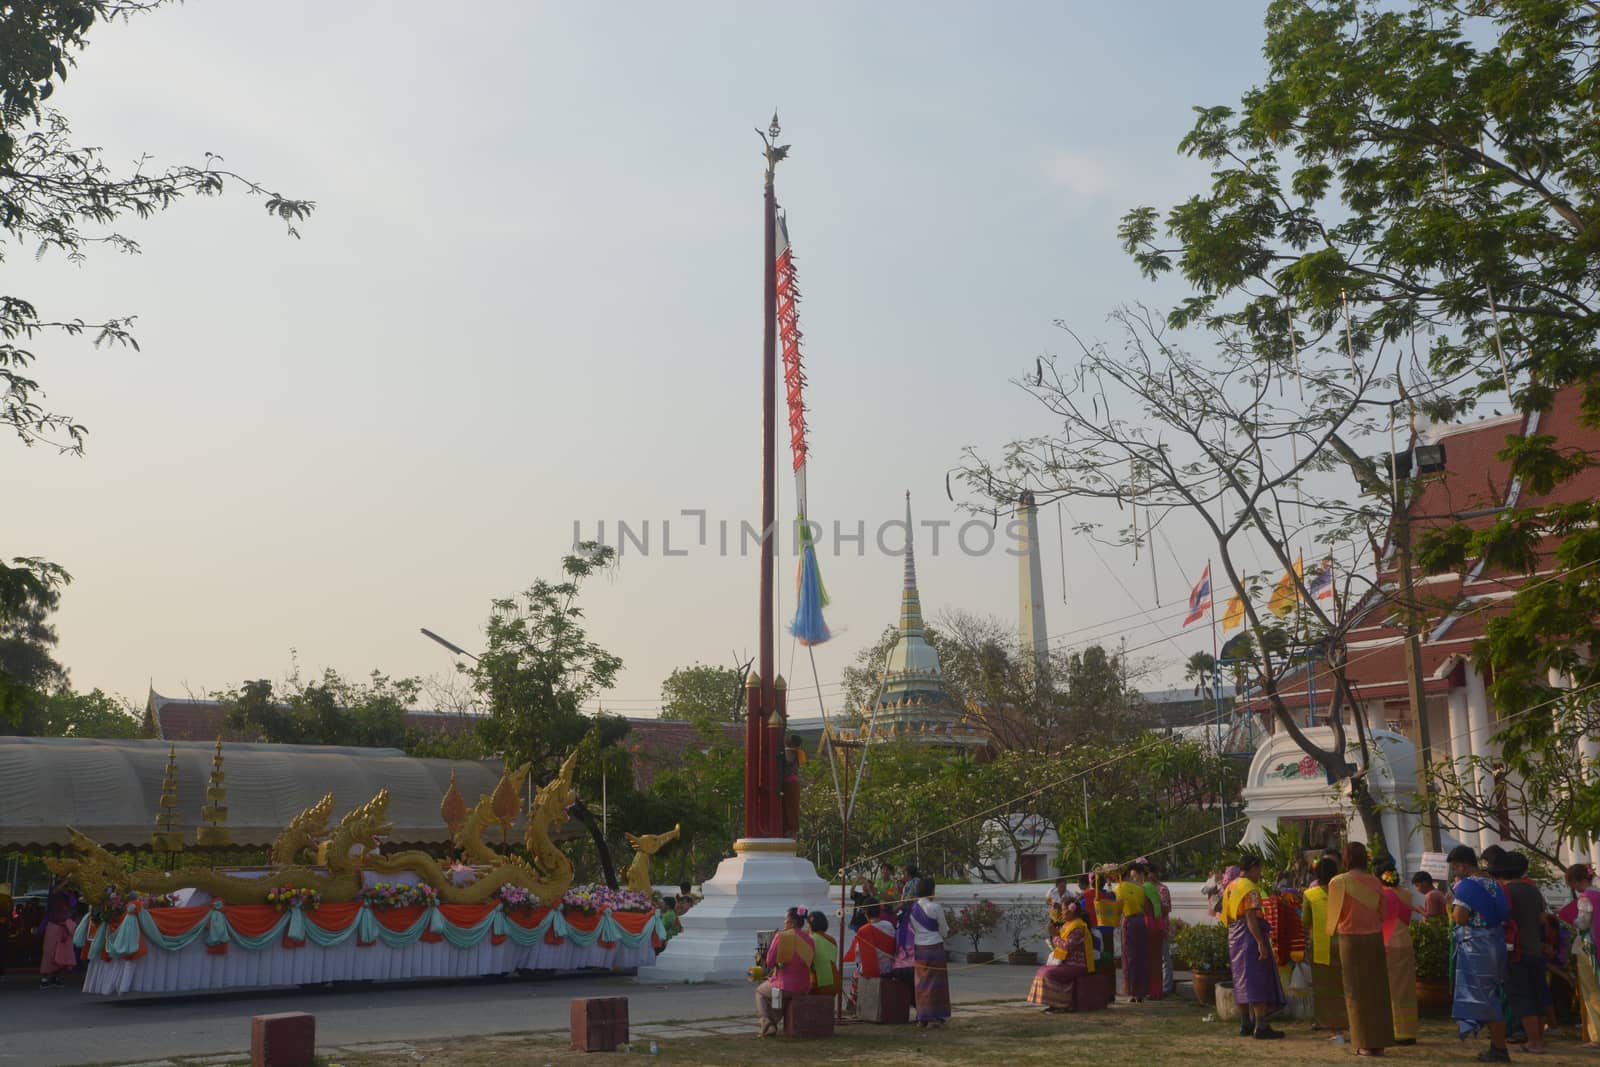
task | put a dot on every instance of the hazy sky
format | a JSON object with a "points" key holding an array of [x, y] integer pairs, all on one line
{"points": [[530, 295]]}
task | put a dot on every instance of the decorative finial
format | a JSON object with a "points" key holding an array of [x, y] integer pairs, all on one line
{"points": [[214, 829], [168, 836], [774, 151]]}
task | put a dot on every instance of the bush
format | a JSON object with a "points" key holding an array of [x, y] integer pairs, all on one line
{"points": [[975, 921], [1431, 940], [1204, 946]]}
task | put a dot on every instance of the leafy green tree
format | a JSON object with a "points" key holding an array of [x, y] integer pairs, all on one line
{"points": [[703, 694], [331, 710], [1431, 163], [704, 791], [30, 590], [539, 666], [91, 714]]}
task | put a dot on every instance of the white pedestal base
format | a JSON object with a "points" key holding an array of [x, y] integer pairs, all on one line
{"points": [[749, 892]]}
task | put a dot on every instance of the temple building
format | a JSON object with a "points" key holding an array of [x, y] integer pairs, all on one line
{"points": [[912, 702]]}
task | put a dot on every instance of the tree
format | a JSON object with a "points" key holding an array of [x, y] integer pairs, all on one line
{"points": [[702, 694], [1434, 166], [539, 666], [333, 710], [30, 589], [91, 714], [59, 196], [1210, 434]]}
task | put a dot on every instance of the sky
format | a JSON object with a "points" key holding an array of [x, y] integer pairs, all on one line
{"points": [[529, 301]]}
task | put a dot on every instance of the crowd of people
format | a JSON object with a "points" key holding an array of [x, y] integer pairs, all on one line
{"points": [[898, 933], [1351, 929]]}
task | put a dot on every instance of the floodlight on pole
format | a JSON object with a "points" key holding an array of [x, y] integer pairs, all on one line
{"points": [[452, 646]]}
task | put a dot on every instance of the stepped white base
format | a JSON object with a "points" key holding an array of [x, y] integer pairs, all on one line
{"points": [[749, 892]]}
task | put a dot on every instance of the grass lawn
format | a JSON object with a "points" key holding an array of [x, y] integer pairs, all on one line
{"points": [[1166, 1032]]}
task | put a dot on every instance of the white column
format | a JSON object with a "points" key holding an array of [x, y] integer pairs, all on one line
{"points": [[1478, 744]]}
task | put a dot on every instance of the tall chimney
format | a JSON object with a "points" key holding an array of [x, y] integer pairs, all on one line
{"points": [[1031, 634]]}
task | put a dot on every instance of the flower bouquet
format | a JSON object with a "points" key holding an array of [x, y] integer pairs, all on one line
{"points": [[589, 899], [285, 897], [516, 898]]}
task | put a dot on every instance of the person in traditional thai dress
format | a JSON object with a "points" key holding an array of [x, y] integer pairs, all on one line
{"points": [[1478, 914], [1400, 954], [929, 930], [1355, 915], [1156, 923], [671, 925], [871, 950], [1327, 979], [1134, 905], [825, 977], [57, 955], [789, 956], [1070, 958], [1579, 915], [1106, 918], [1256, 986]]}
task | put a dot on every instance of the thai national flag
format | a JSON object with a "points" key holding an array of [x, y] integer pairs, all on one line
{"points": [[1321, 585], [1199, 597]]}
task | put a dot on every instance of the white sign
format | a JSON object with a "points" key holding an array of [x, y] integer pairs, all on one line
{"points": [[1436, 864]]}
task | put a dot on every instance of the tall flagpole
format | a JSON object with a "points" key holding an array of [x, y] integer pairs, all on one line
{"points": [[762, 810]]}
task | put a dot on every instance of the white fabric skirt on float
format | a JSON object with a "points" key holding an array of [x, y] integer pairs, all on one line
{"points": [[193, 968]]}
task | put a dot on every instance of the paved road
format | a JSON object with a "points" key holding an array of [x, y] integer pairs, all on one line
{"points": [[45, 1028]]}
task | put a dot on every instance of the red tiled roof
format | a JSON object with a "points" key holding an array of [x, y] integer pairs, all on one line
{"points": [[659, 743]]}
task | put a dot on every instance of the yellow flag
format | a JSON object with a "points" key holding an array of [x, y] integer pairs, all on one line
{"points": [[1233, 618], [1284, 594]]}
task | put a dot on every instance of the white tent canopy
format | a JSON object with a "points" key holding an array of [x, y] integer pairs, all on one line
{"points": [[110, 790]]}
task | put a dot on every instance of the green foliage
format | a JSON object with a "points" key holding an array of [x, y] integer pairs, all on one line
{"points": [[539, 666], [30, 590], [1411, 159], [704, 792], [1204, 946], [702, 694], [333, 710], [91, 714], [1430, 939]]}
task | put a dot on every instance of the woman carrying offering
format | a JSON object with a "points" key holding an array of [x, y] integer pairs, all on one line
{"points": [[1070, 958], [1355, 914], [1580, 915], [789, 957], [1135, 906], [1256, 986], [1399, 954], [1327, 979]]}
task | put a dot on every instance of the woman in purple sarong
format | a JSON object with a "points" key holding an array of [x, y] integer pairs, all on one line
{"points": [[925, 921], [1256, 986], [1134, 905]]}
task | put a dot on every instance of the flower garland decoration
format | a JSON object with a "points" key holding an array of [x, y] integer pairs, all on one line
{"points": [[386, 896], [285, 897], [589, 899]]}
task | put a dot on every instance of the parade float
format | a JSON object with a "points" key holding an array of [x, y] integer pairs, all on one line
{"points": [[329, 906]]}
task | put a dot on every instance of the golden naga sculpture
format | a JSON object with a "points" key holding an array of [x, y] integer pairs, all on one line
{"points": [[351, 849], [547, 873], [645, 846], [303, 834]]}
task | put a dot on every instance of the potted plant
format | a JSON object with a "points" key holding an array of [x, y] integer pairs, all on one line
{"points": [[1430, 940], [1025, 919], [1204, 947], [976, 921]]}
